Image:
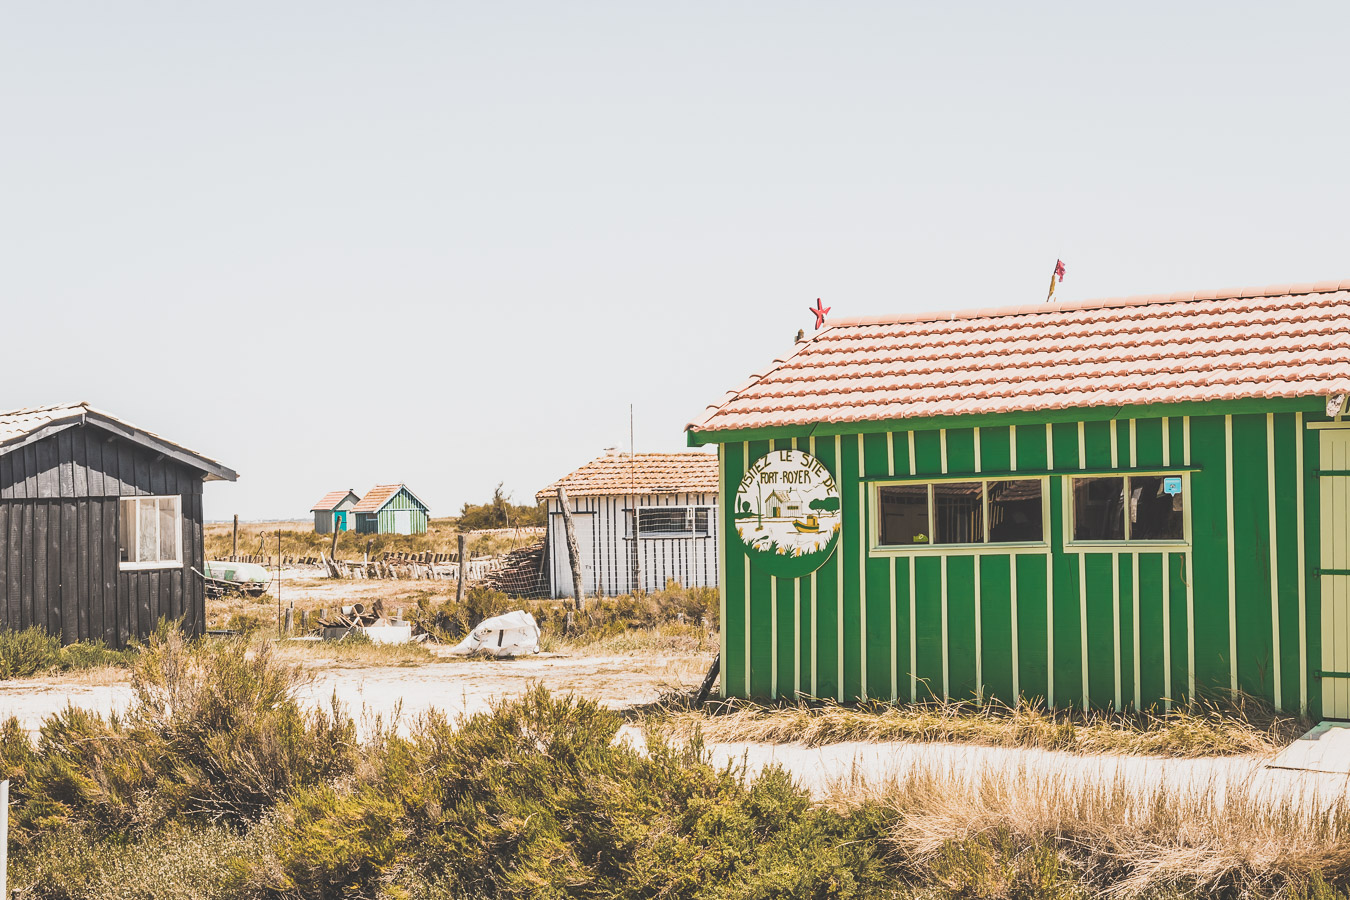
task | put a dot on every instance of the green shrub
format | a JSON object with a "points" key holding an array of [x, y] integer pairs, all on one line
{"points": [[214, 734], [27, 652], [34, 651], [536, 799]]}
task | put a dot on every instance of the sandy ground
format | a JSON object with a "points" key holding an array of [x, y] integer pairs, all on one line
{"points": [[856, 766]]}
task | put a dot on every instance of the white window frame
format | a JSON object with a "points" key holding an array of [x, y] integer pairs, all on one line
{"points": [[1129, 543], [175, 563], [986, 547], [691, 518]]}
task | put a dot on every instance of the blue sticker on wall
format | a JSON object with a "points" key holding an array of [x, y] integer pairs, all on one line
{"points": [[1172, 485]]}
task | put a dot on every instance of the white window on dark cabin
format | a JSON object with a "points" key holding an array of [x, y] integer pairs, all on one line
{"points": [[150, 532]]}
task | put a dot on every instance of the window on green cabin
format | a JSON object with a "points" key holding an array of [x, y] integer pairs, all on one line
{"points": [[959, 509], [904, 515], [1133, 508], [1016, 512], [956, 513], [1099, 509], [1155, 515]]}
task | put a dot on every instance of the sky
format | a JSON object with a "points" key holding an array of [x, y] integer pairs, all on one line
{"points": [[339, 244]]}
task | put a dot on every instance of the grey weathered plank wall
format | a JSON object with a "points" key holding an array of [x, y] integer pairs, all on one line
{"points": [[58, 539]]}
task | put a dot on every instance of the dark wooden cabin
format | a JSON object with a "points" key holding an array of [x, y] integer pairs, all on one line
{"points": [[100, 526]]}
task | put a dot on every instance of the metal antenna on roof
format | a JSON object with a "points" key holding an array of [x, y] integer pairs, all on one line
{"points": [[632, 500]]}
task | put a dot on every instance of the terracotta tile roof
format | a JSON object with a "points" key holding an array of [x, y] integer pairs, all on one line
{"points": [[330, 500], [17, 426], [1281, 341], [379, 495], [376, 497], [643, 473]]}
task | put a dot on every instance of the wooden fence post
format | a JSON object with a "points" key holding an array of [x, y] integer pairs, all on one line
{"points": [[332, 549], [573, 552], [234, 544], [459, 591]]}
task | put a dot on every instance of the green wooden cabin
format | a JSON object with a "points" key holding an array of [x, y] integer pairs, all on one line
{"points": [[1107, 504], [390, 509]]}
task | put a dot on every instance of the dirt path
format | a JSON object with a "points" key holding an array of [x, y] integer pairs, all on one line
{"points": [[454, 687]]}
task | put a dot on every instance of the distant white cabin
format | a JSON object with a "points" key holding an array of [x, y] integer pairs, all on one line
{"points": [[332, 511], [641, 520]]}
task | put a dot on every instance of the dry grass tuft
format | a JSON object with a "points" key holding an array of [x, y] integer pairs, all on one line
{"points": [[351, 653], [1115, 838], [1201, 729]]}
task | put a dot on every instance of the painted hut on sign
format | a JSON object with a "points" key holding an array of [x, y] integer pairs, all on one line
{"points": [[390, 509], [640, 520], [1107, 504], [332, 512], [100, 526]]}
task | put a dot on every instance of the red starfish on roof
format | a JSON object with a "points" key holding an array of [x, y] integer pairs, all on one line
{"points": [[820, 311]]}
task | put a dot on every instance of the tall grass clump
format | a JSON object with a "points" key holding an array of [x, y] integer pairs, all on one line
{"points": [[34, 651], [1201, 728], [1010, 833]]}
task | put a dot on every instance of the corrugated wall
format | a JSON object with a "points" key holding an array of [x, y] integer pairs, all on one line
{"points": [[403, 500], [1102, 628], [690, 561]]}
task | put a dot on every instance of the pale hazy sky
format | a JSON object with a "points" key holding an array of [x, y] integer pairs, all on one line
{"points": [[334, 244]]}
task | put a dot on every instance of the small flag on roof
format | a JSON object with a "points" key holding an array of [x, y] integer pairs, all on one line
{"points": [[1058, 275]]}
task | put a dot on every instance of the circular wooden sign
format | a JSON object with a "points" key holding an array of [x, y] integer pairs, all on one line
{"points": [[787, 513]]}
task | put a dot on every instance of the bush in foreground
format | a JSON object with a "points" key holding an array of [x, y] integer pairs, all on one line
{"points": [[217, 784], [34, 651], [214, 736]]}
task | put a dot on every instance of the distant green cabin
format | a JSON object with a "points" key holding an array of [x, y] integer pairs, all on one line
{"points": [[1110, 504], [390, 509]]}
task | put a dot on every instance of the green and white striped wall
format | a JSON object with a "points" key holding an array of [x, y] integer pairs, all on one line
{"points": [[382, 522], [1236, 607]]}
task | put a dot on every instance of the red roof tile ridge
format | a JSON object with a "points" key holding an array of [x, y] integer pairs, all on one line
{"points": [[1278, 290], [714, 408]]}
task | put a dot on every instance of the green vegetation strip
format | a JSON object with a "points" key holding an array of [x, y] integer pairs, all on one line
{"points": [[215, 783]]}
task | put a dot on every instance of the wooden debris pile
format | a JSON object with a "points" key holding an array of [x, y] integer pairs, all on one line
{"points": [[522, 573]]}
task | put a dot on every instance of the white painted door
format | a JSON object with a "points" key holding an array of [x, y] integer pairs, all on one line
{"points": [[584, 523], [1335, 572], [403, 521]]}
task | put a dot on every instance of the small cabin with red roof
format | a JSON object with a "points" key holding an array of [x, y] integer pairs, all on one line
{"points": [[331, 512], [640, 521], [1111, 504], [390, 509]]}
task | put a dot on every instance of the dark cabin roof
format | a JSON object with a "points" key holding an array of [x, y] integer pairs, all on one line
{"points": [[21, 427], [1286, 340]]}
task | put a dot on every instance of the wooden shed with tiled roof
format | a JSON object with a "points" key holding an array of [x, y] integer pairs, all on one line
{"points": [[641, 520], [332, 509], [390, 509], [1120, 503], [100, 526]]}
